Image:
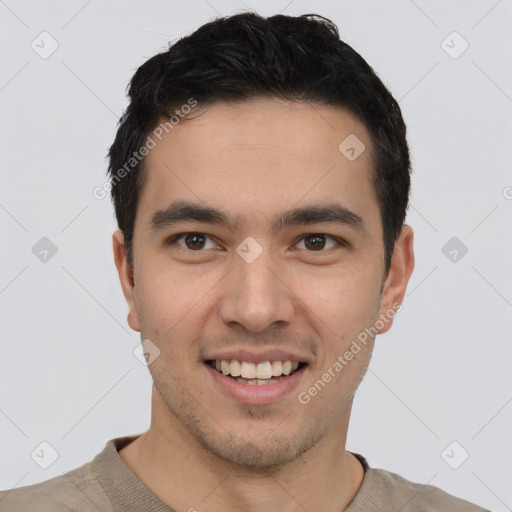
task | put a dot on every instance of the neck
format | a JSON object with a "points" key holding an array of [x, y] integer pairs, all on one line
{"points": [[167, 459]]}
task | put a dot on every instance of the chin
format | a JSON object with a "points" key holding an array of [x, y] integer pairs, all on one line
{"points": [[261, 456]]}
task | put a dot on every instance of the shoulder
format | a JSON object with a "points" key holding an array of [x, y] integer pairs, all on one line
{"points": [[77, 490], [385, 490]]}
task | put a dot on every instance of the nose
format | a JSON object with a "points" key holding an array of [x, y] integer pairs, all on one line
{"points": [[256, 294]]}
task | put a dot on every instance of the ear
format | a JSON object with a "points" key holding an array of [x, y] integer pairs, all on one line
{"points": [[125, 272], [402, 265]]}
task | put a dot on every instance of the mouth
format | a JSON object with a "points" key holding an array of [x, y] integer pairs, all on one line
{"points": [[260, 374]]}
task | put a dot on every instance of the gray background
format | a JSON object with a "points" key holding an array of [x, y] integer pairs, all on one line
{"points": [[442, 374]]}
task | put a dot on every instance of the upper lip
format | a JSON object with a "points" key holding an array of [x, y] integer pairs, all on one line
{"points": [[252, 356]]}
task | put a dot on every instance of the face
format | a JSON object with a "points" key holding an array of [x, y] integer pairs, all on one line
{"points": [[255, 282]]}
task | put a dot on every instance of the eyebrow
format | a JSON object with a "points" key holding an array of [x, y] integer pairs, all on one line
{"points": [[185, 211]]}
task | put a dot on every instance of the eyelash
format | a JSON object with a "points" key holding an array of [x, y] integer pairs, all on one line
{"points": [[173, 239]]}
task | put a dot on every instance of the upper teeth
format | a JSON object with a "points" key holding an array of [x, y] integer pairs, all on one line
{"points": [[248, 370]]}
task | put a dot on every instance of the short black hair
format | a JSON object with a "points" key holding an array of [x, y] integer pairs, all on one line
{"points": [[246, 56]]}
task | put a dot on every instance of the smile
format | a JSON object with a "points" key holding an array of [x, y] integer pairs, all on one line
{"points": [[249, 373]]}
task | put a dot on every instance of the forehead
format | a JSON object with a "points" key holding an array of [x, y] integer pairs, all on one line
{"points": [[254, 157]]}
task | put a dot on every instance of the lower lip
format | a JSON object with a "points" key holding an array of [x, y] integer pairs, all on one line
{"points": [[256, 394]]}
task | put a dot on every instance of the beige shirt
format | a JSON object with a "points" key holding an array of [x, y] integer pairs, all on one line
{"points": [[107, 484]]}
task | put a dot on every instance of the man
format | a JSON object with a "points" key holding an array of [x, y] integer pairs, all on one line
{"points": [[260, 178]]}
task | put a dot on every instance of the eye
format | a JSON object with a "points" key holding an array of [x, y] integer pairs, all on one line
{"points": [[315, 242], [193, 241]]}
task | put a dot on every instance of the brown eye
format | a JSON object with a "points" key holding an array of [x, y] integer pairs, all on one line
{"points": [[194, 241], [315, 242]]}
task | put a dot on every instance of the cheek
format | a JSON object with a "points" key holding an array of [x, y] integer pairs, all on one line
{"points": [[161, 298], [173, 300], [346, 307], [345, 300]]}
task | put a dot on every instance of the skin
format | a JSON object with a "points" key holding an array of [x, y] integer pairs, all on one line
{"points": [[253, 160]]}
